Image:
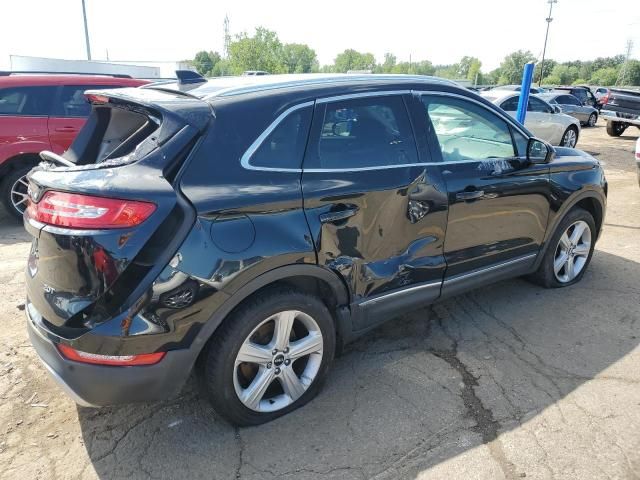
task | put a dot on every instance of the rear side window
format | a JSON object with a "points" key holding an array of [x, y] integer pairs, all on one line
{"points": [[537, 105], [510, 105], [284, 146], [26, 101], [371, 132], [72, 102], [568, 100]]}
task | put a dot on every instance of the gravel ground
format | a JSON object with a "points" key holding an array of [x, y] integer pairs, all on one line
{"points": [[508, 381]]}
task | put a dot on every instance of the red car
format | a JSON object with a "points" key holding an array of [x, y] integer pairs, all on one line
{"points": [[41, 112]]}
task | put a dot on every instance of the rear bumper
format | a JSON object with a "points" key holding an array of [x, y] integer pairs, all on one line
{"points": [[612, 116], [98, 385]]}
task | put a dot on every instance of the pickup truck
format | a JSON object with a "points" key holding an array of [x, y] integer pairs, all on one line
{"points": [[621, 110]]}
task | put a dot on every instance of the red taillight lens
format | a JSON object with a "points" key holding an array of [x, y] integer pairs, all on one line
{"points": [[74, 210], [113, 360]]}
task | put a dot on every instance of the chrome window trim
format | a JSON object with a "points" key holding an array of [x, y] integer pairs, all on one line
{"points": [[245, 160], [506, 117], [246, 157]]}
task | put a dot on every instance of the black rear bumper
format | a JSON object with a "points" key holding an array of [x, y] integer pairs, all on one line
{"points": [[98, 385]]}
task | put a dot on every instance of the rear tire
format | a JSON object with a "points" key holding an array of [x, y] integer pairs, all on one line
{"points": [[252, 375], [593, 119], [13, 191], [570, 137], [553, 272], [615, 129]]}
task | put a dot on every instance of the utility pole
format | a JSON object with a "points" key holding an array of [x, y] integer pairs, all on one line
{"points": [[622, 76], [86, 31], [546, 36], [227, 37]]}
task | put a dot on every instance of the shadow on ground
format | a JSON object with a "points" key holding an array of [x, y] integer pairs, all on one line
{"points": [[421, 389], [12, 229]]}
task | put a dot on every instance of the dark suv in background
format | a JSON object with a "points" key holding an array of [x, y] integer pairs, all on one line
{"points": [[41, 112], [249, 227]]}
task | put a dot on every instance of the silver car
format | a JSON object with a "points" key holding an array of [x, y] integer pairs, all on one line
{"points": [[570, 105]]}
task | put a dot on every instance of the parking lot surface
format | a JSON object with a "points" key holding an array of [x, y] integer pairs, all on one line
{"points": [[508, 381]]}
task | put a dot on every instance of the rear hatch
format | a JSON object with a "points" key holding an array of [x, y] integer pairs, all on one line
{"points": [[104, 228]]}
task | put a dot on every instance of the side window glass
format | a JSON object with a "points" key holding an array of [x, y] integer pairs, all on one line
{"points": [[284, 146], [537, 105], [364, 133], [72, 102], [467, 131], [571, 100], [26, 101], [510, 105]]}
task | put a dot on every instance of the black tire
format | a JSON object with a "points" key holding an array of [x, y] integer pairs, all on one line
{"points": [[564, 142], [615, 129], [5, 189], [593, 119], [217, 367], [545, 274]]}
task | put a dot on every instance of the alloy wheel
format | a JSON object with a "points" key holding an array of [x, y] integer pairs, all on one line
{"points": [[570, 138], [19, 194], [592, 120], [278, 361], [572, 252]]}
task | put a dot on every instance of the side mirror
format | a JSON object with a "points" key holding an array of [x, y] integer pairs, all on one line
{"points": [[557, 109], [539, 151]]}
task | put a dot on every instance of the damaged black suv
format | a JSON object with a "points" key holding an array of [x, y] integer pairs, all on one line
{"points": [[247, 228]]}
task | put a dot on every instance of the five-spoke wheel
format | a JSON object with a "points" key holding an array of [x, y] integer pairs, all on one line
{"points": [[269, 356], [572, 251]]}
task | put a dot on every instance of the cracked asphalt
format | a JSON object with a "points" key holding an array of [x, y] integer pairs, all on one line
{"points": [[508, 381]]}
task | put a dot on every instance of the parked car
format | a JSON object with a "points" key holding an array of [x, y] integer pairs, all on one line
{"points": [[587, 115], [517, 88], [601, 94], [582, 93], [621, 111], [544, 120], [190, 246], [638, 159], [41, 112]]}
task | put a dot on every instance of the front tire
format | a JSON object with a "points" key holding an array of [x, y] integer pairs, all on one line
{"points": [[13, 191], [269, 357], [569, 252], [570, 137]]}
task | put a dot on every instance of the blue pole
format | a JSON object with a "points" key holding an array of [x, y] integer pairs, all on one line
{"points": [[527, 76]]}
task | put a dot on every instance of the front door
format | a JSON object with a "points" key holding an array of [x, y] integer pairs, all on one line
{"points": [[498, 203], [376, 210]]}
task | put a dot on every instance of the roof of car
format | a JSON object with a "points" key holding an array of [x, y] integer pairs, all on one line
{"points": [[499, 95], [230, 86], [25, 80]]}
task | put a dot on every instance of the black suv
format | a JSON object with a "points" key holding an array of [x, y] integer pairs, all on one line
{"points": [[248, 228]]}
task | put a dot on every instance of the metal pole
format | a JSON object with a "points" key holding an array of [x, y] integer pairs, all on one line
{"points": [[546, 36], [523, 101], [86, 31]]}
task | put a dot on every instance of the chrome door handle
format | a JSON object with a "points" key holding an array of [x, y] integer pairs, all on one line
{"points": [[474, 195], [338, 215]]}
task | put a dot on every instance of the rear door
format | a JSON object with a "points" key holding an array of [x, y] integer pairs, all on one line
{"points": [[70, 112], [375, 207], [498, 204]]}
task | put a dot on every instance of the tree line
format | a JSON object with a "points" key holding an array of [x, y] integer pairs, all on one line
{"points": [[264, 51]]}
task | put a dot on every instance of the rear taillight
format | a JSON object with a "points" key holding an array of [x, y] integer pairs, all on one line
{"points": [[113, 360], [75, 210]]}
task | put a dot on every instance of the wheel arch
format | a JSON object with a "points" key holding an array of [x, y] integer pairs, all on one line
{"points": [[592, 201], [309, 278], [17, 161]]}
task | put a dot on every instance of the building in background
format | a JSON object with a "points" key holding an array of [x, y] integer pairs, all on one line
{"points": [[136, 69]]}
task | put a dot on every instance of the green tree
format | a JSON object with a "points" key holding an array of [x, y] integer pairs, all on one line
{"points": [[299, 58], [353, 60], [605, 76], [388, 65], [474, 70], [512, 66], [202, 63], [263, 51], [549, 65]]}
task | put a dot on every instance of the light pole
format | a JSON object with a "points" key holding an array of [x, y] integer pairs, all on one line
{"points": [[86, 31], [546, 36]]}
